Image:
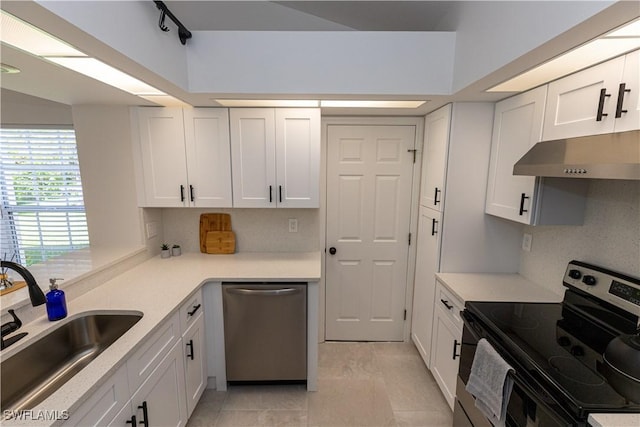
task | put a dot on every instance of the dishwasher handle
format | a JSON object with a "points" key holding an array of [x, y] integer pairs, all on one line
{"points": [[263, 292]]}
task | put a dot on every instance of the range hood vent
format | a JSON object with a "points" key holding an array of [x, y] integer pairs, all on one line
{"points": [[608, 156]]}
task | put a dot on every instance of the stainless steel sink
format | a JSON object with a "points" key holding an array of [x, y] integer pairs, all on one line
{"points": [[35, 372]]}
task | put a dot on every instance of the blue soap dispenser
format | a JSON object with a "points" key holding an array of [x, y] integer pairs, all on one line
{"points": [[56, 302]]}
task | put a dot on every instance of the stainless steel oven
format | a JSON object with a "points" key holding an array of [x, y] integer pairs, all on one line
{"points": [[555, 349]]}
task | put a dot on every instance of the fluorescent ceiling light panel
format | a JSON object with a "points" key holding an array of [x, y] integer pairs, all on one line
{"points": [[370, 104], [107, 74], [609, 46], [25, 37], [299, 103]]}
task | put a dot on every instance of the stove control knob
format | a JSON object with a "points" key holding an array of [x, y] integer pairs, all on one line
{"points": [[575, 274], [589, 280], [564, 341], [576, 350]]}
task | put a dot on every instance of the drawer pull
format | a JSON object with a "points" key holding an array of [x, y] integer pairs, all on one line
{"points": [[603, 95], [190, 353], [145, 414], [195, 308], [446, 304], [435, 197], [455, 348], [523, 197], [433, 226], [621, 91], [133, 421]]}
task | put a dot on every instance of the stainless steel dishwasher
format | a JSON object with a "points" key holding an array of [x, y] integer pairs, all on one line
{"points": [[265, 331]]}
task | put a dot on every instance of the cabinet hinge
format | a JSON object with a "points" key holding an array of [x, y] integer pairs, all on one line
{"points": [[409, 239], [414, 151], [405, 314]]}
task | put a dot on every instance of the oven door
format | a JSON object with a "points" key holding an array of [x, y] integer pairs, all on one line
{"points": [[527, 406]]}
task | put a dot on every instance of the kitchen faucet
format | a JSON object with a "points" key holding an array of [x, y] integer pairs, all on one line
{"points": [[35, 294]]}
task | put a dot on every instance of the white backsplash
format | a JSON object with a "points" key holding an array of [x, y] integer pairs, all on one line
{"points": [[257, 230], [610, 236]]}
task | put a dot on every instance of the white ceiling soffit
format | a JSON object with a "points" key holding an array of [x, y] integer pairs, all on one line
{"points": [[313, 15]]}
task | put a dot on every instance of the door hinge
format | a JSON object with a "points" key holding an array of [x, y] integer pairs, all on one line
{"points": [[409, 239], [405, 314], [414, 151]]}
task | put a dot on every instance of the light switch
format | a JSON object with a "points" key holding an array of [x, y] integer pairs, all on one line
{"points": [[152, 229], [293, 225]]}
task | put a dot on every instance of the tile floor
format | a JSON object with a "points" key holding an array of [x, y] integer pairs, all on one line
{"points": [[359, 384]]}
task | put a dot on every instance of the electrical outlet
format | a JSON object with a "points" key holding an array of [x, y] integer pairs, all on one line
{"points": [[293, 225], [152, 229], [526, 242]]}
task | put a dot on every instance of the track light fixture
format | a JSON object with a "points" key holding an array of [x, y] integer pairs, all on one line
{"points": [[183, 33]]}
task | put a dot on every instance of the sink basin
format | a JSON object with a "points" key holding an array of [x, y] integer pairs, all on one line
{"points": [[35, 372]]}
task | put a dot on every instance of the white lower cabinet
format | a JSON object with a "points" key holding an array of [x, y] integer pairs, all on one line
{"points": [[195, 363], [447, 340]]}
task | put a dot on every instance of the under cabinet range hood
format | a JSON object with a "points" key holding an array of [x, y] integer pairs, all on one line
{"points": [[608, 156]]}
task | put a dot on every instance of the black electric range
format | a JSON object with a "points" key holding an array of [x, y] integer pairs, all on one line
{"points": [[556, 348]]}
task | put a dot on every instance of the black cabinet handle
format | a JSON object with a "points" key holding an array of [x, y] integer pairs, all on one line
{"points": [[435, 197], [433, 226], [603, 95], [455, 348], [332, 250], [190, 346], [133, 421], [270, 194], [195, 308], [523, 197], [280, 193], [621, 91], [446, 304], [191, 193], [145, 414], [182, 193]]}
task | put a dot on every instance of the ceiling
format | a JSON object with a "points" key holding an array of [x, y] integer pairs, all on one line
{"points": [[313, 15]]}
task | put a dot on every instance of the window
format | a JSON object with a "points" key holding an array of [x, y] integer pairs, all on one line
{"points": [[42, 205]]}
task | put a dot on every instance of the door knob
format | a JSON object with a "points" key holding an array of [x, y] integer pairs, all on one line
{"points": [[332, 250]]}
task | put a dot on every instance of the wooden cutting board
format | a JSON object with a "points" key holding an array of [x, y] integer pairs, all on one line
{"points": [[216, 222], [220, 242]]}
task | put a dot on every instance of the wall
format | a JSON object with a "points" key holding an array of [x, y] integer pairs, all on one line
{"points": [[610, 236], [25, 110], [103, 135], [257, 230]]}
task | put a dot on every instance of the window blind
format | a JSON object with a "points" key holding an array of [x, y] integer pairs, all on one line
{"points": [[42, 204]]}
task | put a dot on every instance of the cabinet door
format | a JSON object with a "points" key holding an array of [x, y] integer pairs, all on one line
{"points": [[208, 157], [253, 157], [434, 158], [445, 354], [194, 363], [517, 126], [573, 102], [298, 157], [163, 156], [631, 99], [427, 265], [161, 398]]}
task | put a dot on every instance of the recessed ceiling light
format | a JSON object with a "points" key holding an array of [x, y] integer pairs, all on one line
{"points": [[370, 104], [297, 103], [8, 69], [612, 44]]}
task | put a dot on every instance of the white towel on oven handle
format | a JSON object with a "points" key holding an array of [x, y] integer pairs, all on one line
{"points": [[490, 383]]}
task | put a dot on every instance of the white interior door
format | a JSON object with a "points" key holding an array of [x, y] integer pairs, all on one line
{"points": [[369, 181]]}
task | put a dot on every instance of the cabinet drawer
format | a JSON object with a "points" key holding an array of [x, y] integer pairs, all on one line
{"points": [[190, 310], [104, 403], [449, 304], [152, 351]]}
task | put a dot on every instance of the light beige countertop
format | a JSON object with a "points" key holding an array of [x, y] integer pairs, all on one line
{"points": [[156, 288], [614, 420], [496, 287]]}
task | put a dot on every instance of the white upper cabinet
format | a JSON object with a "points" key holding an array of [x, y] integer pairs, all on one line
{"points": [[517, 127], [184, 157], [434, 159], [593, 101], [276, 157]]}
